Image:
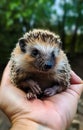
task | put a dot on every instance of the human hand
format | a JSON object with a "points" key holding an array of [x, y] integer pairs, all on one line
{"points": [[52, 113]]}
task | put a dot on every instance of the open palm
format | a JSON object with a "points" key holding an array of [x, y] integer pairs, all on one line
{"points": [[55, 112]]}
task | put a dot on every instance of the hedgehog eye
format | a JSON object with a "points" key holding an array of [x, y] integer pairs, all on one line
{"points": [[34, 52], [22, 44]]}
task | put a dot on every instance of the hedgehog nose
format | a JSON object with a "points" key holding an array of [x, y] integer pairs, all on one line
{"points": [[48, 65]]}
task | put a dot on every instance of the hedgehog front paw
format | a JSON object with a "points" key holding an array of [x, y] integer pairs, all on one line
{"points": [[52, 91], [49, 92], [34, 87], [31, 95]]}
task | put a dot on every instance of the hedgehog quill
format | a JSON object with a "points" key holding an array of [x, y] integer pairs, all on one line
{"points": [[38, 64]]}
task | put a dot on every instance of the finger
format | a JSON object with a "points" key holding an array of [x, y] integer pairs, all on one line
{"points": [[76, 90], [13, 101], [75, 79]]}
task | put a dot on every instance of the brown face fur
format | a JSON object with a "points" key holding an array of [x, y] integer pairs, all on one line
{"points": [[39, 49]]}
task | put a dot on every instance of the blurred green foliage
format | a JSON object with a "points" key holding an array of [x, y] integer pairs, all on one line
{"points": [[62, 17]]}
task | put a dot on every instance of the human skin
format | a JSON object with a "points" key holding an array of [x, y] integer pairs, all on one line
{"points": [[52, 113]]}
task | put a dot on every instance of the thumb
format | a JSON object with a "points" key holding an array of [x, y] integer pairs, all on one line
{"points": [[75, 79], [77, 89]]}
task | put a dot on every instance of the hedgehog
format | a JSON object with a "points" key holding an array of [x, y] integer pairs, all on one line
{"points": [[38, 65]]}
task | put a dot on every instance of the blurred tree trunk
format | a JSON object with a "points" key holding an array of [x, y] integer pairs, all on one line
{"points": [[73, 40], [75, 35], [61, 24], [63, 35]]}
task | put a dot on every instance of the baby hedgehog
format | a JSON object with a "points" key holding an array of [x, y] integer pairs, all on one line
{"points": [[38, 64]]}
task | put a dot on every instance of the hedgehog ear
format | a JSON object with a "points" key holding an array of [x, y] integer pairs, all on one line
{"points": [[22, 44]]}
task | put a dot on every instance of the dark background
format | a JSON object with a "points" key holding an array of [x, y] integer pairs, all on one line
{"points": [[62, 17]]}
